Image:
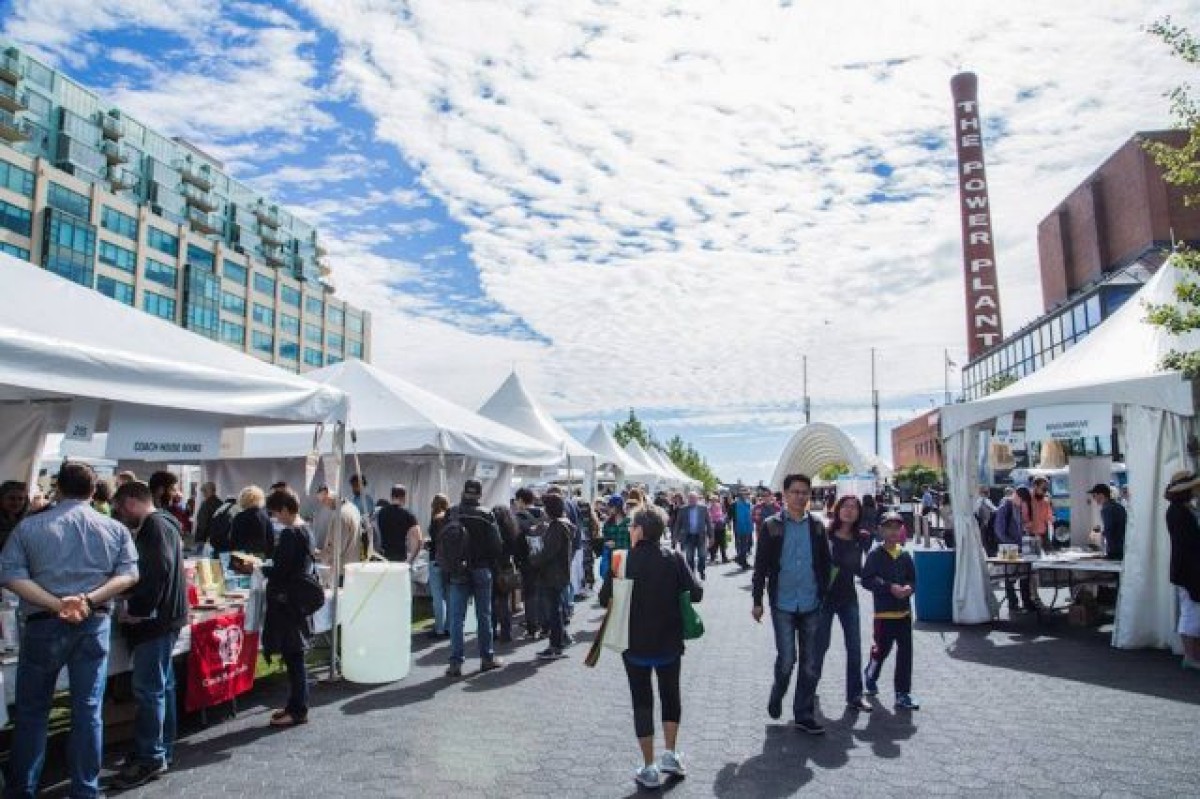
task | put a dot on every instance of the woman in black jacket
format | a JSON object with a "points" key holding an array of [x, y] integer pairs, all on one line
{"points": [[848, 543], [251, 531], [655, 640], [1184, 531], [286, 630]]}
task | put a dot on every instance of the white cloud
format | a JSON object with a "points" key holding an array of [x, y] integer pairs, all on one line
{"points": [[677, 195]]}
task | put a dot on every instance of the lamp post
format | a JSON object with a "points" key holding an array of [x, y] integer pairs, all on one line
{"points": [[875, 401], [807, 404]]}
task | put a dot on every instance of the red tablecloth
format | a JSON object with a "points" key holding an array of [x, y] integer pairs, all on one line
{"points": [[221, 662]]}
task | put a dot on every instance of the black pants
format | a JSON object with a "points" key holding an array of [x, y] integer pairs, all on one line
{"points": [[719, 541], [551, 614], [297, 672], [888, 632], [642, 693]]}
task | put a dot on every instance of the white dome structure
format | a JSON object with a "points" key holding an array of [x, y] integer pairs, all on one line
{"points": [[815, 446]]}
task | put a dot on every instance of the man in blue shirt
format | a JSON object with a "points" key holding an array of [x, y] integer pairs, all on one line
{"points": [[66, 564], [743, 527], [793, 564]]}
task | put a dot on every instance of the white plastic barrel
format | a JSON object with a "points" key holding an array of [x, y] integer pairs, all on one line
{"points": [[375, 612]]}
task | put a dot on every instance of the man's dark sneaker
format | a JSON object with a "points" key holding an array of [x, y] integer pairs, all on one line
{"points": [[491, 665], [809, 726], [860, 704], [775, 706], [567, 639], [906, 702], [550, 653], [132, 775], [454, 670]]}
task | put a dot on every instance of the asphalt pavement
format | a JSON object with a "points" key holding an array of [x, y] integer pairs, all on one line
{"points": [[1012, 709]]}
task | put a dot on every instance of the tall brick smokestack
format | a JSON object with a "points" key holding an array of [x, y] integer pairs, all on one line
{"points": [[979, 255]]}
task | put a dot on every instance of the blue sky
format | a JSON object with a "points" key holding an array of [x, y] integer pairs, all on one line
{"points": [[642, 204]]}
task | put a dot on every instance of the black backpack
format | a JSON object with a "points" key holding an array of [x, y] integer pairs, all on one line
{"points": [[220, 526], [453, 547]]}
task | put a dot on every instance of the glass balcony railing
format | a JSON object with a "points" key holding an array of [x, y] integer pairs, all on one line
{"points": [[12, 99], [13, 129]]}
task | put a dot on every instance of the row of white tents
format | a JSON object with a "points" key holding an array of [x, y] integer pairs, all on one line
{"points": [[122, 384]]}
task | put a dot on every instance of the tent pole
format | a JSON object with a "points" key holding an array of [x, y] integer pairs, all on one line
{"points": [[339, 453]]}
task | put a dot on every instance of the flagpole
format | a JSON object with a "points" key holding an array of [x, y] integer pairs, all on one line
{"points": [[946, 373]]}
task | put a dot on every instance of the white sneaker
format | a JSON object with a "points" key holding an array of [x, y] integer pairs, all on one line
{"points": [[648, 777], [671, 763]]}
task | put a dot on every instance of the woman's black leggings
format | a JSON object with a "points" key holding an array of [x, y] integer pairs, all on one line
{"points": [[643, 695]]}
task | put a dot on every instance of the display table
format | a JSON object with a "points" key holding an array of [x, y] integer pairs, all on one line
{"points": [[1079, 572]]}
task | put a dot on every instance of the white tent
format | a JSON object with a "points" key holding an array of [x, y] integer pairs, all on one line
{"points": [[68, 353], [1116, 364], [513, 406], [404, 434], [644, 469], [609, 452], [675, 475]]}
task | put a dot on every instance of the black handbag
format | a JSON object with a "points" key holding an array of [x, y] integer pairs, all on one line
{"points": [[305, 593]]}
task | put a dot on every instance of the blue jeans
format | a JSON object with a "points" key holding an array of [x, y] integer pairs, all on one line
{"points": [[297, 674], [848, 615], [48, 645], [153, 682], [695, 551], [742, 542], [552, 614], [478, 587], [437, 591], [792, 631]]}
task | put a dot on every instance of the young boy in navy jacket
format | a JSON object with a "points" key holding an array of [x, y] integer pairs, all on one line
{"points": [[891, 576]]}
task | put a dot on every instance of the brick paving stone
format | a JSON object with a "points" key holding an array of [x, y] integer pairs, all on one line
{"points": [[1009, 710]]}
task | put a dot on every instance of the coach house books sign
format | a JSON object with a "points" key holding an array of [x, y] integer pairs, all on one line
{"points": [[155, 434]]}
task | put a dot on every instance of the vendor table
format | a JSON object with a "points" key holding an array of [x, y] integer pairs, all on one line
{"points": [[1001, 570], [1080, 571]]}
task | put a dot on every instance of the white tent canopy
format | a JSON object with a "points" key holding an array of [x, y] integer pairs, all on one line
{"points": [[646, 469], [608, 451], [512, 405], [404, 434], [1118, 364], [673, 472], [61, 342]]}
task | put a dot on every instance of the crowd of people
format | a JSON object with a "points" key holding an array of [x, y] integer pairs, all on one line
{"points": [[523, 564]]}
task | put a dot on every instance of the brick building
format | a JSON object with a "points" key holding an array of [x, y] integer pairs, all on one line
{"points": [[915, 443]]}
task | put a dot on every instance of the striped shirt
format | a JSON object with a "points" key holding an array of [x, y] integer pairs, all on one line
{"points": [[69, 549]]}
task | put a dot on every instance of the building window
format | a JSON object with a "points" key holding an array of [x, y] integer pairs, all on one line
{"points": [[312, 333], [16, 219], [1092, 309], [356, 349], [354, 323], [163, 242], [201, 303], [70, 249], [337, 316], [69, 202], [264, 315], [289, 350], [162, 274], [118, 290], [14, 250], [202, 258], [13, 178], [263, 342], [314, 306], [157, 304], [290, 295], [331, 359], [233, 333], [233, 303], [264, 284], [289, 324], [119, 223], [118, 257], [312, 357], [235, 272], [336, 342]]}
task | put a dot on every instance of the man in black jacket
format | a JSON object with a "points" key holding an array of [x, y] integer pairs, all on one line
{"points": [[484, 547], [155, 611], [794, 566], [552, 567]]}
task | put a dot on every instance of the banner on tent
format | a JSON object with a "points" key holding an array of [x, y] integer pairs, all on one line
{"points": [[81, 425], [487, 470], [233, 442], [1067, 422], [156, 434]]}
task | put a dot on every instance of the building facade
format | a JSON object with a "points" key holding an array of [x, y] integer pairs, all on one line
{"points": [[916, 443], [1095, 250], [96, 197]]}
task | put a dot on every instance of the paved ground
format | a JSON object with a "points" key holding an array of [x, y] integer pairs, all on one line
{"points": [[1012, 710]]}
